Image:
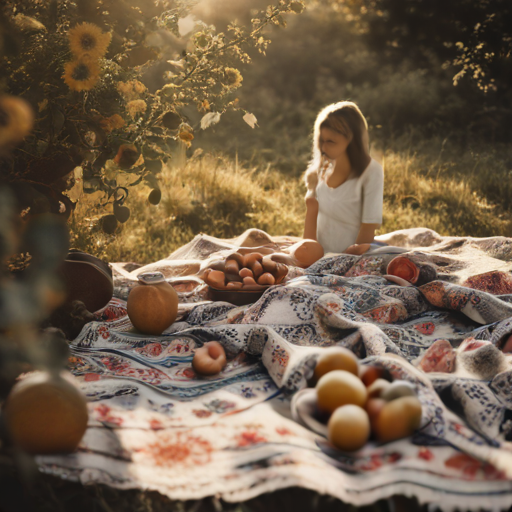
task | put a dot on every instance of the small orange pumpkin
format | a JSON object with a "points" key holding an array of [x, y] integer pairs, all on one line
{"points": [[153, 304]]}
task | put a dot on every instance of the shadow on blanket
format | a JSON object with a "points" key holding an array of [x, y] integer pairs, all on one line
{"points": [[156, 425]]}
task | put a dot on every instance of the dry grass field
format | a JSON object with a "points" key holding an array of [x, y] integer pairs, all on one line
{"points": [[432, 184]]}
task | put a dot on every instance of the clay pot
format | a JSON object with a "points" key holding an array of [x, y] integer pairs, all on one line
{"points": [[153, 304], [46, 413]]}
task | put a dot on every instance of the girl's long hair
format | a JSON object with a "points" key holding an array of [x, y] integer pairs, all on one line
{"points": [[343, 117]]}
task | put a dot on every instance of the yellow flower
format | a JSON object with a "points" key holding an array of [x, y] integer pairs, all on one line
{"points": [[81, 75], [136, 107], [232, 77], [131, 90], [88, 39]]}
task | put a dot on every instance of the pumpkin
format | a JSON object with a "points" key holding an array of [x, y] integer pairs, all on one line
{"points": [[152, 304], [46, 413]]}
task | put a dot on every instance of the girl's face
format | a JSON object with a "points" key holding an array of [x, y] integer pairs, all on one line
{"points": [[333, 144]]}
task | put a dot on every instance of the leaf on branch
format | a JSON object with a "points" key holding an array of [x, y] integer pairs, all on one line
{"points": [[250, 119], [210, 119]]}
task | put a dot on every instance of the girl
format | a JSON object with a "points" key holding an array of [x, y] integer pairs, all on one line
{"points": [[345, 185]]}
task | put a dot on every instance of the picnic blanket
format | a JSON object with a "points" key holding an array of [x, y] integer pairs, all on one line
{"points": [[156, 425]]}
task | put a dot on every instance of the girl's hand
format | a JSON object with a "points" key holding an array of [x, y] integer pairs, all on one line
{"points": [[357, 249]]}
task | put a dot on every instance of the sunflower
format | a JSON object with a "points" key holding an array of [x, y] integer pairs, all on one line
{"points": [[81, 74], [88, 39]]}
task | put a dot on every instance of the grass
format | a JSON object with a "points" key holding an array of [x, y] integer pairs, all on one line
{"points": [[208, 194], [437, 185], [431, 183]]}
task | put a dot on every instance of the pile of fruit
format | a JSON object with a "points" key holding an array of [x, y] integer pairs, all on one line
{"points": [[249, 272], [362, 402]]}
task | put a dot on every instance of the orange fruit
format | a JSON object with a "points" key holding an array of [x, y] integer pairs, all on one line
{"points": [[45, 414], [349, 428], [336, 358], [338, 388], [152, 308], [398, 418]]}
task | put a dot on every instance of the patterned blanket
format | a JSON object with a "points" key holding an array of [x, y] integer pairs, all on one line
{"points": [[156, 425]]}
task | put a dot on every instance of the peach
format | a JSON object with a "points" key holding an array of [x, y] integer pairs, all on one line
{"points": [[336, 358], [398, 418], [209, 359], [338, 388], [306, 252], [349, 428]]}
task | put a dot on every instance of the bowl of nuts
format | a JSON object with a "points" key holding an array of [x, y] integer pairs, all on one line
{"points": [[243, 278]]}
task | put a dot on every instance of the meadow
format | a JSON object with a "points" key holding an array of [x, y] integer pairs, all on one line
{"points": [[429, 183], [444, 149]]}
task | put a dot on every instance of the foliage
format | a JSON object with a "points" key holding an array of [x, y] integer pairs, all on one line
{"points": [[322, 57], [208, 194], [474, 36], [116, 88]]}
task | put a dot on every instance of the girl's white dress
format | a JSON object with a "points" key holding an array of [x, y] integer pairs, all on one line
{"points": [[343, 209]]}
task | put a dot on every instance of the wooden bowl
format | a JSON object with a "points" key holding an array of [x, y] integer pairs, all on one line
{"points": [[236, 297]]}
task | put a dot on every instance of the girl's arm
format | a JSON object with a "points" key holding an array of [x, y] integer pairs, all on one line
{"points": [[364, 239], [366, 233], [311, 217]]}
